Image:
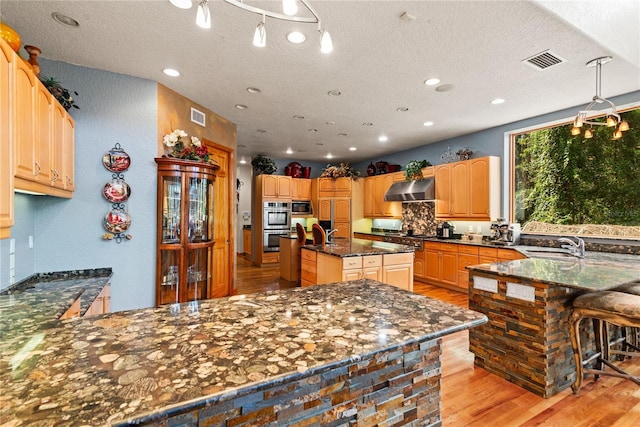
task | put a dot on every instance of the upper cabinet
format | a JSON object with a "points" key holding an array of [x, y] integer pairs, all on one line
{"points": [[468, 189], [375, 188], [333, 187], [7, 58], [300, 189], [274, 186]]}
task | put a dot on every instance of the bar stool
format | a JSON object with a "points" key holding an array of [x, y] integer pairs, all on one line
{"points": [[319, 236], [606, 306], [629, 336], [301, 234]]}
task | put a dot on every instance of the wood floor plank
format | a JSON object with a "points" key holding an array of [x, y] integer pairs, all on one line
{"points": [[472, 396]]}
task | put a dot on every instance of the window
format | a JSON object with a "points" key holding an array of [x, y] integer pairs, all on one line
{"points": [[564, 184]]}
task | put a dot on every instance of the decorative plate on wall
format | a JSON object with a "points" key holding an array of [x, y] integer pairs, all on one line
{"points": [[116, 191], [116, 159], [117, 221]]}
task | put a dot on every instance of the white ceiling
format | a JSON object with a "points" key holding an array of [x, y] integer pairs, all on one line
{"points": [[379, 63]]}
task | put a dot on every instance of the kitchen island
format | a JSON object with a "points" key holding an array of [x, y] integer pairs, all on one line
{"points": [[353, 259], [528, 303], [360, 352]]}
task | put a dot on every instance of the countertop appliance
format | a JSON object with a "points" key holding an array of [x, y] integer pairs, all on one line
{"points": [[301, 207], [444, 230], [505, 233]]}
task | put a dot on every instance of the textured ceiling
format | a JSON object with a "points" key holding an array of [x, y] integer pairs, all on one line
{"points": [[379, 63]]}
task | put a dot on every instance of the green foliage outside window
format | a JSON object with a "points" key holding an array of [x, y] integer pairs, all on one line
{"points": [[565, 179]]}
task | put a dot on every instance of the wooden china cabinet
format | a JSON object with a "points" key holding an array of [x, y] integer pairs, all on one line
{"points": [[184, 269]]}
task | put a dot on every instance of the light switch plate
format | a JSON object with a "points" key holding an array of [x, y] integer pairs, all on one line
{"points": [[523, 292], [485, 284], [30, 242]]}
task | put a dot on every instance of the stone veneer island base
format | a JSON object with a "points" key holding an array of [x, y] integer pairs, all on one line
{"points": [[351, 353]]}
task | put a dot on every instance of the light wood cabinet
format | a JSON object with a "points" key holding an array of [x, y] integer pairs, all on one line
{"points": [[7, 58], [308, 267], [330, 187], [468, 189], [289, 259], [300, 189], [369, 196], [44, 123], [375, 188], [419, 265], [102, 303], [246, 241], [25, 133], [397, 270], [441, 262], [467, 255], [324, 209], [185, 231], [274, 186]]}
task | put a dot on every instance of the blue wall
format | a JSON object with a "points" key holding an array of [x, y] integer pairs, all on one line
{"points": [[114, 109]]}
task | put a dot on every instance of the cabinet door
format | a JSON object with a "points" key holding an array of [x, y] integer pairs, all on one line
{"points": [[284, 187], [432, 264], [25, 154], [304, 189], [342, 187], [325, 187], [324, 209], [373, 273], [344, 229], [57, 146], [43, 122], [460, 189], [368, 196], [419, 264], [398, 275], [443, 191], [479, 191], [342, 210], [449, 268], [7, 56], [68, 152], [351, 274], [388, 209], [269, 186]]}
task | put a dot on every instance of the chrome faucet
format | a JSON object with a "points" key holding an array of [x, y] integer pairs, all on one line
{"points": [[576, 248], [329, 233]]}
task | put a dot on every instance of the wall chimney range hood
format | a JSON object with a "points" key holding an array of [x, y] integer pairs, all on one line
{"points": [[412, 191]]}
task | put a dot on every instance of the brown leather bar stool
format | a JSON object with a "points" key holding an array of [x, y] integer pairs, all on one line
{"points": [[319, 236], [606, 306], [301, 234], [629, 336]]}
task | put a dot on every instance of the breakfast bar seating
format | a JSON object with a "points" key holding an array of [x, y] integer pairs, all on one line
{"points": [[602, 307]]}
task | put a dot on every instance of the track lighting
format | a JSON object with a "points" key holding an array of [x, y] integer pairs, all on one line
{"points": [[612, 117], [289, 8]]}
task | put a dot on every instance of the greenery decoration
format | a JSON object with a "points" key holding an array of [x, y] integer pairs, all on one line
{"points": [[264, 164], [60, 93], [413, 170], [344, 170]]}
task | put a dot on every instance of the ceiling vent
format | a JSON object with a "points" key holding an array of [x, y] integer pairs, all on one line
{"points": [[544, 60]]}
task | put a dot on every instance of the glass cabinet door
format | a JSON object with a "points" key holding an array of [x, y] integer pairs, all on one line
{"points": [[169, 289], [171, 188], [198, 273], [200, 210]]}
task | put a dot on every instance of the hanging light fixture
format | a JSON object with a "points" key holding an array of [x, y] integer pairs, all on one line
{"points": [[613, 119], [260, 36], [289, 7], [203, 16]]}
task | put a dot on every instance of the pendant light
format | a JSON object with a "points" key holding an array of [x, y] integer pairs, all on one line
{"points": [[326, 45], [203, 16]]}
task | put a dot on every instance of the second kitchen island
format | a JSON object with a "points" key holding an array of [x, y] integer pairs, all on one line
{"points": [[354, 259]]}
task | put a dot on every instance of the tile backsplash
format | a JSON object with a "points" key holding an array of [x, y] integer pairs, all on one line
{"points": [[421, 216]]}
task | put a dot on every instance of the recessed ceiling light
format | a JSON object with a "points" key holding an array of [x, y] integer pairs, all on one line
{"points": [[241, 107], [319, 143], [329, 156], [432, 82], [261, 130], [367, 124], [497, 101], [353, 148], [289, 151], [65, 20], [298, 117], [402, 109], [312, 130], [171, 72], [444, 88], [331, 122], [243, 161], [342, 134], [296, 37], [427, 124], [182, 4], [334, 92], [253, 90], [383, 138], [242, 146]]}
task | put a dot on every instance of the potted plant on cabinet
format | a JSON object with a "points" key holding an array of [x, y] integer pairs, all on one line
{"points": [[264, 164], [413, 170]]}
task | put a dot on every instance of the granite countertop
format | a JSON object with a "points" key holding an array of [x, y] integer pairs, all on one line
{"points": [[591, 273], [359, 247], [37, 302], [127, 366]]}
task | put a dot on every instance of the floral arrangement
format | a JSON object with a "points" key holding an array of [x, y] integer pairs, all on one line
{"points": [[61, 94], [186, 150], [344, 170]]}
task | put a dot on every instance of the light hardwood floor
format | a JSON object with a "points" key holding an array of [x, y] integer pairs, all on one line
{"points": [[473, 397]]}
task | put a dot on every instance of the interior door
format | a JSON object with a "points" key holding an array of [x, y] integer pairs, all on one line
{"points": [[224, 209]]}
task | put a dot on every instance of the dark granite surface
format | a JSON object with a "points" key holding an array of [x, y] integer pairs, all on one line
{"points": [[123, 366], [584, 274], [359, 247]]}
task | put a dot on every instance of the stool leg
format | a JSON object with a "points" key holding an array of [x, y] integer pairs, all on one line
{"points": [[602, 351], [574, 331]]}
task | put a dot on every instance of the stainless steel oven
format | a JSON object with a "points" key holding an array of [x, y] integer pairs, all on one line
{"points": [[276, 216], [271, 241]]}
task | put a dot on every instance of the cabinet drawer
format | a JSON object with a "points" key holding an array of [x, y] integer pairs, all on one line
{"points": [[309, 255], [464, 260], [468, 249], [509, 254], [396, 259], [442, 247], [372, 261], [351, 262], [307, 275], [488, 252]]}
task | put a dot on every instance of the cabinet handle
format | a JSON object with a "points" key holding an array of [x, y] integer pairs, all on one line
{"points": [[54, 175], [37, 169]]}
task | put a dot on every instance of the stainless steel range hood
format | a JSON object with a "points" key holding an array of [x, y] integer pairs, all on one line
{"points": [[412, 191]]}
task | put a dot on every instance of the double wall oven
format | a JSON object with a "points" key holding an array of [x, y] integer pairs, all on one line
{"points": [[276, 219]]}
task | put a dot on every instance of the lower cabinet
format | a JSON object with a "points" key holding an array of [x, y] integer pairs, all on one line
{"points": [[441, 262], [397, 270], [246, 241], [308, 267]]}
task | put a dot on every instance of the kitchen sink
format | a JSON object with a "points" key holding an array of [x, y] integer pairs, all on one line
{"points": [[553, 253]]}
